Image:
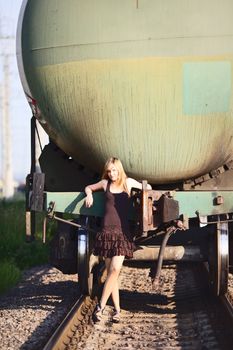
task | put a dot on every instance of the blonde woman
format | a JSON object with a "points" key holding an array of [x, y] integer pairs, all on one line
{"points": [[114, 242]]}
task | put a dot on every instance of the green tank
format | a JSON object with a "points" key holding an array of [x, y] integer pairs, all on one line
{"points": [[148, 81]]}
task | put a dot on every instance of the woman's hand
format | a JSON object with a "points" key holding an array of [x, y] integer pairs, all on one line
{"points": [[89, 200], [101, 185]]}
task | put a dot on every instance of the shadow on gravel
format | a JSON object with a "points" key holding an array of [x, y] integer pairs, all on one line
{"points": [[202, 322], [34, 294], [146, 302], [48, 301]]}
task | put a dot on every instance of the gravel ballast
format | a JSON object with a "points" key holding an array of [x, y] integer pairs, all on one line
{"points": [[31, 311]]}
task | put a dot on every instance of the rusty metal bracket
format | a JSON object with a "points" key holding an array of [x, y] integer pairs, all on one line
{"points": [[192, 183], [143, 201], [51, 210], [218, 218], [147, 209], [37, 198], [51, 215], [154, 209]]}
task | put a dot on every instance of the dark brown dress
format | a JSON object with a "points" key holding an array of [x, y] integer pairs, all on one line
{"points": [[114, 238]]}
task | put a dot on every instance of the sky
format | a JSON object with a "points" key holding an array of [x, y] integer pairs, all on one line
{"points": [[19, 111]]}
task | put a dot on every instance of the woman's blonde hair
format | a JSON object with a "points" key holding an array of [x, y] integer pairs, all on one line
{"points": [[122, 175]]}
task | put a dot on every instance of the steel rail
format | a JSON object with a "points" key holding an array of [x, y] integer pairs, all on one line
{"points": [[62, 335], [228, 304], [65, 331]]}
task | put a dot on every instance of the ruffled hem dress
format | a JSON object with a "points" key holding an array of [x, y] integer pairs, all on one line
{"points": [[115, 238]]}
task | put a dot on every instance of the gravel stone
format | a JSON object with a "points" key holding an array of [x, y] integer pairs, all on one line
{"points": [[32, 310]]}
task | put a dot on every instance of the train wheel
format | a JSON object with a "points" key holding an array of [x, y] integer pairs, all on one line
{"points": [[219, 259], [86, 263]]}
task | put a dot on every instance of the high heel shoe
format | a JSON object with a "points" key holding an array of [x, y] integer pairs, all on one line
{"points": [[97, 313], [116, 316]]}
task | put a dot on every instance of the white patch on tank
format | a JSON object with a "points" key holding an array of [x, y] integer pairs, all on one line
{"points": [[206, 87]]}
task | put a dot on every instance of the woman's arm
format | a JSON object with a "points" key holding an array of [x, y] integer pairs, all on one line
{"points": [[131, 183], [101, 185]]}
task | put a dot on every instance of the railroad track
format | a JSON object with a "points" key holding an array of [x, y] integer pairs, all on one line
{"points": [[72, 323], [227, 301], [181, 314]]}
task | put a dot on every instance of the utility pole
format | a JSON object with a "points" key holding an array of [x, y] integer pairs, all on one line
{"points": [[7, 173], [8, 183]]}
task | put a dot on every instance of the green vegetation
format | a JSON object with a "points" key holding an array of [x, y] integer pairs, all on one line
{"points": [[15, 253], [9, 275]]}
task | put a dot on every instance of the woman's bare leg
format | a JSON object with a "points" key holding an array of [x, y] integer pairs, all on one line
{"points": [[111, 285], [115, 290]]}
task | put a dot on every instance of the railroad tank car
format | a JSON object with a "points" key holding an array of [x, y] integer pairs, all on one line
{"points": [[147, 81]]}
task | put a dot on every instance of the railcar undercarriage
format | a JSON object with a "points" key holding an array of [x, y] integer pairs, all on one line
{"points": [[186, 224], [161, 233]]}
